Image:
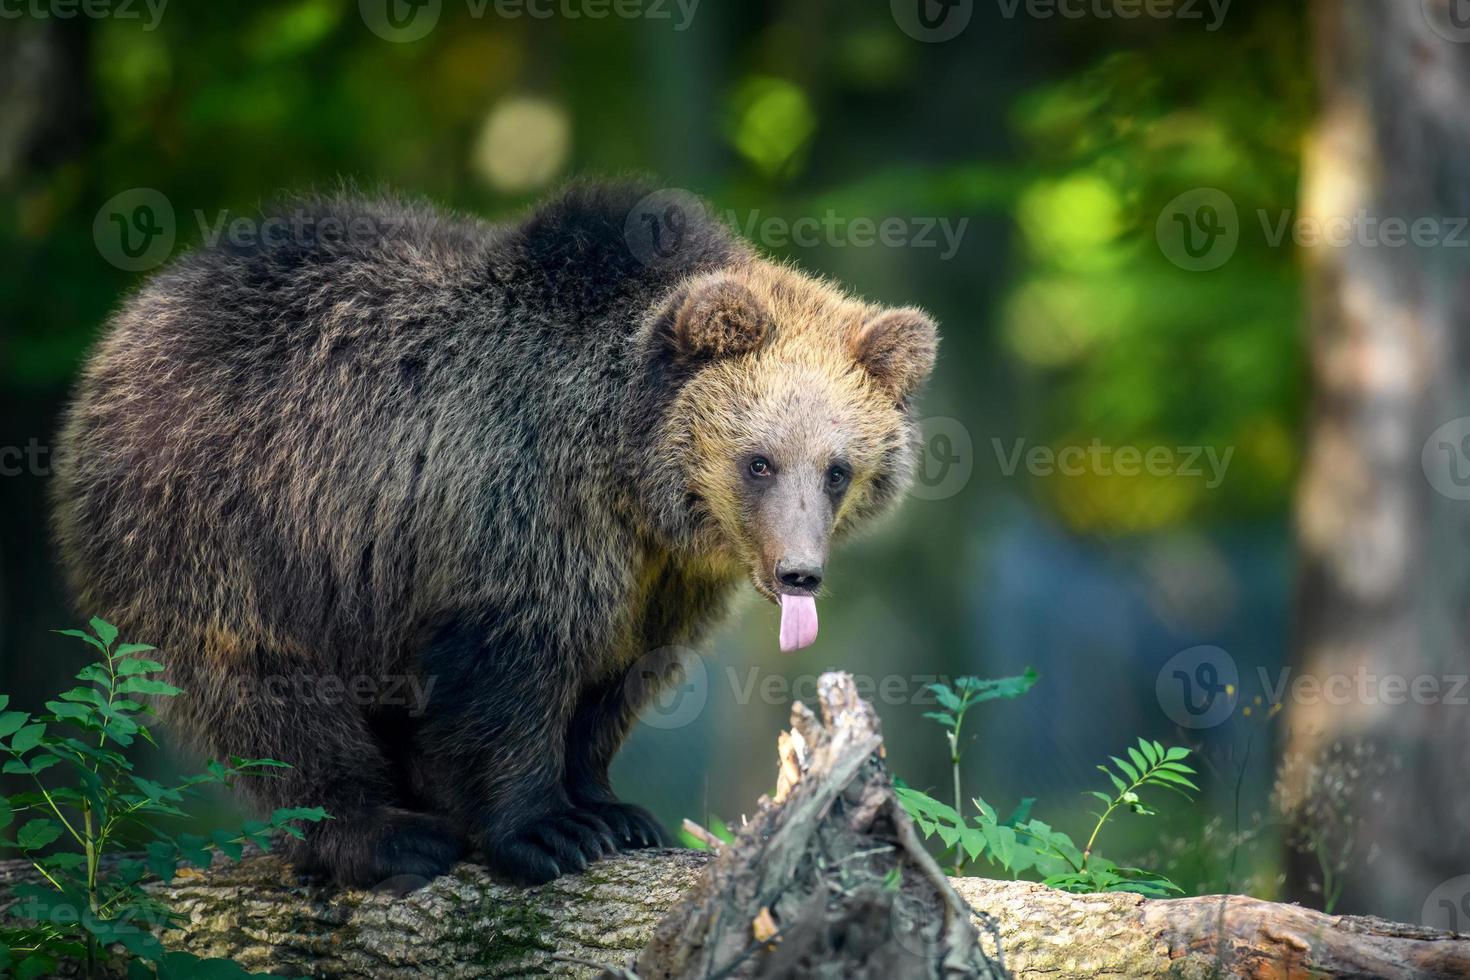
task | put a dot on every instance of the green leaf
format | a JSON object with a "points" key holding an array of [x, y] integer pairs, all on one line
{"points": [[11, 721], [1174, 778], [68, 710], [138, 665], [85, 695], [87, 637], [974, 842], [1176, 753], [1138, 760], [227, 844], [95, 674], [105, 631], [155, 791], [1125, 768], [943, 717], [35, 965], [1005, 687], [1149, 754], [1122, 786], [1022, 812], [65, 861], [947, 698], [36, 834], [18, 767], [195, 850], [163, 859], [283, 819], [28, 738], [144, 685]]}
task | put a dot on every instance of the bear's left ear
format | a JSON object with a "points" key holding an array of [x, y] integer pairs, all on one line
{"points": [[897, 349], [712, 318]]}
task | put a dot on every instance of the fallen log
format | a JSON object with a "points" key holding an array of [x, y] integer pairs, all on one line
{"points": [[793, 895]]}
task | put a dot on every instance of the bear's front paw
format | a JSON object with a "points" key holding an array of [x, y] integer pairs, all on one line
{"points": [[381, 848], [632, 826], [549, 846]]}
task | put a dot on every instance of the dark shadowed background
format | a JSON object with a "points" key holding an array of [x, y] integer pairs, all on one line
{"points": [[1101, 201]]}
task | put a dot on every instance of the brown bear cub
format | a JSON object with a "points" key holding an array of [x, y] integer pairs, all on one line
{"points": [[381, 451]]}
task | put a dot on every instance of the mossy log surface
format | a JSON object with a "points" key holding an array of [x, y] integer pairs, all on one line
{"points": [[792, 894]]}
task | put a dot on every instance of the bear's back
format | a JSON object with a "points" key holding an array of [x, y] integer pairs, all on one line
{"points": [[313, 422]]}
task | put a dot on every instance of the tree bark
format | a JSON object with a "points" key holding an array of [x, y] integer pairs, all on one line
{"points": [[468, 925], [830, 830], [1376, 762]]}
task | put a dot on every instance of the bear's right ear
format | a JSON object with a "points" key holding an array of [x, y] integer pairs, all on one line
{"points": [[710, 319]]}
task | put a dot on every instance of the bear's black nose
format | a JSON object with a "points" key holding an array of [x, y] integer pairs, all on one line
{"points": [[799, 574]]}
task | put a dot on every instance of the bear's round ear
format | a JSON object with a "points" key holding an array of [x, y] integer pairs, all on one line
{"points": [[713, 318], [897, 349]]}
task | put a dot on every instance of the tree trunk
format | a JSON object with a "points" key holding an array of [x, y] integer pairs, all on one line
{"points": [[795, 883], [1376, 759]]}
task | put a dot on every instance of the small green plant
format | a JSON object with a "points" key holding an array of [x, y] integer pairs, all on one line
{"points": [[1020, 844], [91, 906]]}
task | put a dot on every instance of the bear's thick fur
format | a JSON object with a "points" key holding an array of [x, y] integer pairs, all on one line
{"points": [[420, 504]]}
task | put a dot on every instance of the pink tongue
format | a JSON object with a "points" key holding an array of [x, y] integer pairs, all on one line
{"points": [[798, 622]]}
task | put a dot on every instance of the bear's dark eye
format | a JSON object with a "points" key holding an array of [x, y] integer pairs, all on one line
{"points": [[760, 467], [837, 477]]}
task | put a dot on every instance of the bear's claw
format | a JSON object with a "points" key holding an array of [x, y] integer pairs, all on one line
{"points": [[632, 826], [547, 847]]}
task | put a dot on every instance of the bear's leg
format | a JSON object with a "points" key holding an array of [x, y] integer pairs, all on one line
{"points": [[602, 720], [496, 735], [272, 708]]}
